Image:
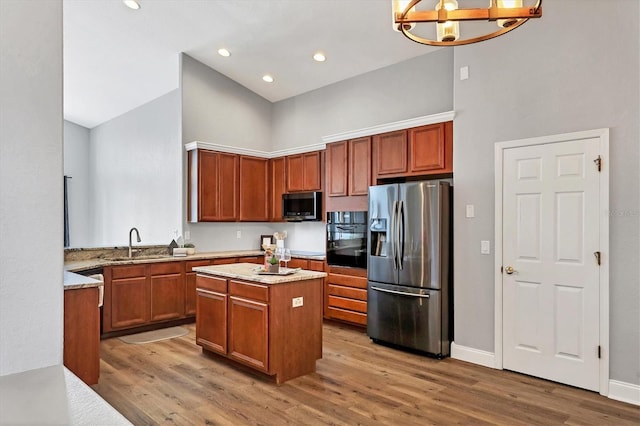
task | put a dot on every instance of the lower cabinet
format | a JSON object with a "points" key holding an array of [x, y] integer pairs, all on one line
{"points": [[167, 291], [256, 325], [82, 333], [127, 290], [346, 295]]}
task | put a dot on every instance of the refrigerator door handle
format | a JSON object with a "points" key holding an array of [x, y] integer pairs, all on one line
{"points": [[400, 234], [401, 293], [392, 231]]}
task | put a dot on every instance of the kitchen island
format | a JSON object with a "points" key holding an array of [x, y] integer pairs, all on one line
{"points": [[271, 323]]}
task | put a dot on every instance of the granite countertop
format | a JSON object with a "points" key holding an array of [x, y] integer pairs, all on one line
{"points": [[74, 281], [248, 272], [92, 263], [53, 395]]}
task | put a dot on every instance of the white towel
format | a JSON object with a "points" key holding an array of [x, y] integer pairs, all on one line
{"points": [[100, 278]]}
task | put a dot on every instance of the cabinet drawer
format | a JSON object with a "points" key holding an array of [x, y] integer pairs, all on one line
{"points": [[350, 304], [210, 283], [165, 268], [349, 292], [316, 265], [344, 315], [348, 281], [249, 291], [118, 272], [298, 263], [190, 264], [346, 270]]}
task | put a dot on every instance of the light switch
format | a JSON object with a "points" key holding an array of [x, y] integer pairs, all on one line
{"points": [[464, 73], [485, 247], [187, 235], [471, 210]]}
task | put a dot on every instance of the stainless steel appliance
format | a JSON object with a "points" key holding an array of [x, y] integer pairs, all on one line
{"points": [[408, 292], [347, 239], [299, 206]]}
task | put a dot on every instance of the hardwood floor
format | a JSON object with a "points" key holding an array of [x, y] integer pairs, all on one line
{"points": [[356, 383]]}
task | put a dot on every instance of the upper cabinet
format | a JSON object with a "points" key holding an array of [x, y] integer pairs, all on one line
{"points": [[349, 167], [278, 186], [424, 150], [213, 186], [304, 172], [254, 189]]}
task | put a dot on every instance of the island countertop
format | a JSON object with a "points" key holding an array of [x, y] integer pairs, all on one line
{"points": [[249, 272]]}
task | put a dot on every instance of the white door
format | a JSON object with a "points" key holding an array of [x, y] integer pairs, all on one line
{"points": [[550, 239]]}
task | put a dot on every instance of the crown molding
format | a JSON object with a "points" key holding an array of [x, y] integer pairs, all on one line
{"points": [[367, 131], [390, 127], [253, 152]]}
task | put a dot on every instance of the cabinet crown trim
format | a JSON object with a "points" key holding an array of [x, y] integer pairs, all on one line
{"points": [[253, 152], [390, 127]]}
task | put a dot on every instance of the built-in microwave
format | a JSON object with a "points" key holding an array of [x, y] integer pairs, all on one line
{"points": [[299, 206]]}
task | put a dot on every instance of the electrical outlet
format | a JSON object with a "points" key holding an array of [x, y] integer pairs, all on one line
{"points": [[238, 234], [296, 302], [187, 235]]}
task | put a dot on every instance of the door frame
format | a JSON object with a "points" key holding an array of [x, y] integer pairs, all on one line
{"points": [[603, 136]]}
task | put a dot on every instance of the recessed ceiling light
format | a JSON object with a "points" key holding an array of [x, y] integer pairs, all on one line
{"points": [[319, 57], [133, 4], [267, 78], [224, 52]]}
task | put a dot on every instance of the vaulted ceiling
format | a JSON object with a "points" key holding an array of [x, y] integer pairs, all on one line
{"points": [[116, 58]]}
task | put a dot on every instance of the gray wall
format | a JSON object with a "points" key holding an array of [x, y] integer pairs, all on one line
{"points": [[563, 73], [413, 88], [136, 174], [31, 234], [76, 165], [218, 110]]}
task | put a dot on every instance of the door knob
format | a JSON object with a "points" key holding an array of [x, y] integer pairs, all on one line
{"points": [[509, 270]]}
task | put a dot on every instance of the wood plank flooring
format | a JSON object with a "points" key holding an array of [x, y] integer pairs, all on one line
{"points": [[357, 383]]}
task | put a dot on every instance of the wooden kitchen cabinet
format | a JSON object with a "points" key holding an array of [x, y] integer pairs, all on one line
{"points": [[304, 172], [129, 297], [211, 320], [425, 150], [349, 167], [261, 327], [337, 169], [82, 333], [144, 294], [249, 324], [346, 295], [254, 189], [278, 186], [167, 294], [213, 186]]}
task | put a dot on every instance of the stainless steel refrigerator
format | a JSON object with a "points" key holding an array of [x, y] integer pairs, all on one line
{"points": [[409, 270]]}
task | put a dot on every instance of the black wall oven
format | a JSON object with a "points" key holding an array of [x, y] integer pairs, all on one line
{"points": [[347, 239]]}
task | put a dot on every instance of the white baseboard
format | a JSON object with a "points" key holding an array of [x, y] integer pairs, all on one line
{"points": [[620, 391], [475, 356], [625, 392]]}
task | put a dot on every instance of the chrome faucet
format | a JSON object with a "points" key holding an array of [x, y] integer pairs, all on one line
{"points": [[137, 236]]}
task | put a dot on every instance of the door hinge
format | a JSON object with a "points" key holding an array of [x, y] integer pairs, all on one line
{"points": [[597, 255], [501, 269], [599, 352], [598, 162]]}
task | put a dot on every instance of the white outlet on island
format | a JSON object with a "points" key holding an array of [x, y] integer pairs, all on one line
{"points": [[296, 302]]}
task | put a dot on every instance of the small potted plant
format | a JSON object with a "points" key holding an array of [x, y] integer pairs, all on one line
{"points": [[191, 249], [274, 264]]}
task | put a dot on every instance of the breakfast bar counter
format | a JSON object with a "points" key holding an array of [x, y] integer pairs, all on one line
{"points": [[271, 323]]}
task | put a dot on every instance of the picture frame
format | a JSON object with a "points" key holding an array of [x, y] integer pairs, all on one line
{"points": [[266, 239]]}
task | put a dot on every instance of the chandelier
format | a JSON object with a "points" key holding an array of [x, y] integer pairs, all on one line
{"points": [[506, 14]]}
